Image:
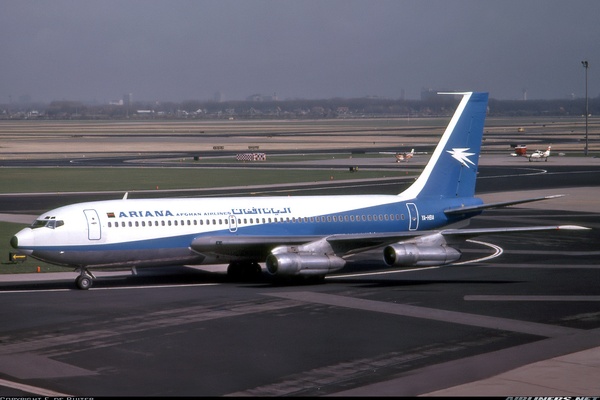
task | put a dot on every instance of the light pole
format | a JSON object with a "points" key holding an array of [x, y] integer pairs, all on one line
{"points": [[585, 65]]}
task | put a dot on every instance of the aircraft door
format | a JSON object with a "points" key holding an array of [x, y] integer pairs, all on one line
{"points": [[93, 223], [413, 216], [232, 223]]}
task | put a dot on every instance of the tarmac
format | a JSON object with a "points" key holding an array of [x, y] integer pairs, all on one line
{"points": [[576, 374], [572, 374]]}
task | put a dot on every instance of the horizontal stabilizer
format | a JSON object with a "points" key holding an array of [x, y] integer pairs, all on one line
{"points": [[481, 207]]}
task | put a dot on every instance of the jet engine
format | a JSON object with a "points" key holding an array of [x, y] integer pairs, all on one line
{"points": [[291, 264], [412, 255]]}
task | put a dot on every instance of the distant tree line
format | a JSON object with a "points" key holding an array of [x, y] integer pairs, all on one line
{"points": [[291, 109]]}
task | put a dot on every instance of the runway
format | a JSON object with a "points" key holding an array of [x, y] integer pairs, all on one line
{"points": [[475, 328]]}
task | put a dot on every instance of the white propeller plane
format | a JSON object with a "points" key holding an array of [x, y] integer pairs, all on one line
{"points": [[539, 155], [405, 156]]}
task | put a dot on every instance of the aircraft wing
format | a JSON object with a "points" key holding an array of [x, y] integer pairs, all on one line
{"points": [[481, 207], [356, 243], [261, 246], [344, 244], [245, 246]]}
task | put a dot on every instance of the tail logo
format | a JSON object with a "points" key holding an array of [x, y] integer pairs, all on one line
{"points": [[462, 156]]}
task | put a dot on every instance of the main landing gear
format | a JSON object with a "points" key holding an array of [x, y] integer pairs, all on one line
{"points": [[85, 279], [244, 271]]}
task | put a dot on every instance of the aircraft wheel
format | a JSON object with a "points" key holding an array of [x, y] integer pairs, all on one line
{"points": [[244, 271], [255, 270], [84, 282]]}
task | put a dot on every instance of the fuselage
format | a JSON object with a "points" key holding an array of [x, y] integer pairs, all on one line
{"points": [[147, 232]]}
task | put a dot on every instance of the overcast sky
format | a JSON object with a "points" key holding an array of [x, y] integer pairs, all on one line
{"points": [[179, 50]]}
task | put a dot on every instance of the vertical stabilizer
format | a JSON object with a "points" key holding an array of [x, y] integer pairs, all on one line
{"points": [[452, 169]]}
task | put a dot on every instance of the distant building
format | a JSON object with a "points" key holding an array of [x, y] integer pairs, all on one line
{"points": [[127, 99], [262, 97]]}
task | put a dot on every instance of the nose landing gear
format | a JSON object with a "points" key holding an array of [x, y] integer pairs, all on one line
{"points": [[85, 280]]}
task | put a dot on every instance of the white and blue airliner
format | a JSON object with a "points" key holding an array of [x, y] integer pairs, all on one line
{"points": [[293, 236]]}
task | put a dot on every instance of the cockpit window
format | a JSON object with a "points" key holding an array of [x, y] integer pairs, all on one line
{"points": [[40, 223], [47, 223]]}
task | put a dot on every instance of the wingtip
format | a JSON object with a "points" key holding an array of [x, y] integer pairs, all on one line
{"points": [[573, 227]]}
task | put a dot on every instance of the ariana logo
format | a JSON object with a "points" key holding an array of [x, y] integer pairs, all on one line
{"points": [[462, 156]]}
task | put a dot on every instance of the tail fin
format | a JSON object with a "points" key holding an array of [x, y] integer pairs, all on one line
{"points": [[452, 169]]}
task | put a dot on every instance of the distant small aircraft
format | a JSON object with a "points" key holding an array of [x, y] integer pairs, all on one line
{"points": [[539, 155], [401, 156], [405, 156], [520, 150]]}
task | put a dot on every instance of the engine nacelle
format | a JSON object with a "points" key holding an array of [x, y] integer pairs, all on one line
{"points": [[290, 264], [412, 255]]}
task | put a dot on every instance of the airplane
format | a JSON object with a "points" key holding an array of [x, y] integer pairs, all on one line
{"points": [[539, 155], [405, 156], [304, 237], [520, 150]]}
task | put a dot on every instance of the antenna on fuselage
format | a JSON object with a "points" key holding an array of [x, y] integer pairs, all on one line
{"points": [[125, 197]]}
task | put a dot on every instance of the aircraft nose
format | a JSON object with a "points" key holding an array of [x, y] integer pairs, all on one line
{"points": [[22, 239]]}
